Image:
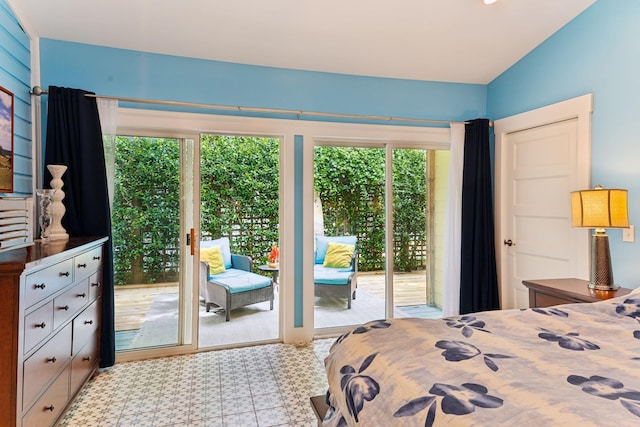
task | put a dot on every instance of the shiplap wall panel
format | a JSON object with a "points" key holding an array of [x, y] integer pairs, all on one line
{"points": [[15, 75]]}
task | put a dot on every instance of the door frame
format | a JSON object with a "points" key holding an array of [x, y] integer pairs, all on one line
{"points": [[579, 108]]}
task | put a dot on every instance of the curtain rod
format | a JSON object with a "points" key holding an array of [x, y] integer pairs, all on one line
{"points": [[37, 91]]}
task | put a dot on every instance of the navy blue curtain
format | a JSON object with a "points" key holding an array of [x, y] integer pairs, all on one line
{"points": [[478, 277], [74, 139]]}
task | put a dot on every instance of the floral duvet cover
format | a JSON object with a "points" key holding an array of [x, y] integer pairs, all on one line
{"points": [[575, 364]]}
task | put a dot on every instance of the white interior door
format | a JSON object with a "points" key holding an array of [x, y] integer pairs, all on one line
{"points": [[541, 159]]}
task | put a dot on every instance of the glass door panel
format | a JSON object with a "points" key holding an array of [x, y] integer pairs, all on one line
{"points": [[239, 201], [349, 201], [146, 240], [419, 194]]}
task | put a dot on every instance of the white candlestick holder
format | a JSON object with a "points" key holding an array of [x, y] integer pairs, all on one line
{"points": [[56, 231]]}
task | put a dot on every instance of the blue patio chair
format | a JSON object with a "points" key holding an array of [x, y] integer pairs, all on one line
{"points": [[233, 284], [335, 269]]}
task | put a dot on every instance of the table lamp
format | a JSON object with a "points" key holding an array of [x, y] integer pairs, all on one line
{"points": [[600, 208]]}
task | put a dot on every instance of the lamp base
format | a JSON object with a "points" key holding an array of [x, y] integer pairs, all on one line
{"points": [[601, 270], [597, 287]]}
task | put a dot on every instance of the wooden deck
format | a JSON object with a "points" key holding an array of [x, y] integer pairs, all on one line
{"points": [[409, 288], [132, 302]]}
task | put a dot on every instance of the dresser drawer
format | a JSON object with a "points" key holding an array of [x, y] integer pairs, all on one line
{"points": [[87, 263], [70, 303], [85, 325], [47, 281], [37, 326], [44, 364], [51, 404], [95, 286], [85, 361]]}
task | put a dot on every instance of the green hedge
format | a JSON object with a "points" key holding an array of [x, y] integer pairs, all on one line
{"points": [[239, 192], [146, 210], [239, 199], [351, 186]]}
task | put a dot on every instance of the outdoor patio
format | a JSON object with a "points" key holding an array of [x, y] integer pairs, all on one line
{"points": [[147, 314]]}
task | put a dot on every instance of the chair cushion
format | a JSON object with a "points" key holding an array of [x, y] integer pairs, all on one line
{"points": [[240, 281], [323, 241], [331, 276], [223, 242], [213, 256], [338, 255]]}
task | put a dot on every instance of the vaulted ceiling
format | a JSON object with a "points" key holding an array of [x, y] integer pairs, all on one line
{"points": [[461, 41]]}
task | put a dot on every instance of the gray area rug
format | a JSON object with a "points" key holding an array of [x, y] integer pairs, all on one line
{"points": [[333, 312], [160, 326]]}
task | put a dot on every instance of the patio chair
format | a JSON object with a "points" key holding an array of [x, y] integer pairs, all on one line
{"points": [[336, 267], [226, 279]]}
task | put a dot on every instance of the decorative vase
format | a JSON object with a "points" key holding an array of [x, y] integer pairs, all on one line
{"points": [[44, 220], [274, 257], [56, 231]]}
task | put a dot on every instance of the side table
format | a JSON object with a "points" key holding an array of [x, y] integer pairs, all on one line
{"points": [[275, 271], [548, 292]]}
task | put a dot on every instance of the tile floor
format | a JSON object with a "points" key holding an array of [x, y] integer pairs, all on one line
{"points": [[266, 385]]}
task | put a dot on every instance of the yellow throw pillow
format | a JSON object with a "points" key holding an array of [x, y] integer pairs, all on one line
{"points": [[338, 255], [213, 256]]}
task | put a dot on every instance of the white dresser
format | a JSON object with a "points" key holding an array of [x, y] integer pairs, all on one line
{"points": [[49, 327]]}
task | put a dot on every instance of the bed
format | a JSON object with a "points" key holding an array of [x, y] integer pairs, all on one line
{"points": [[574, 364]]}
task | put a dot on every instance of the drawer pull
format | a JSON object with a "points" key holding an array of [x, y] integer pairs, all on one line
{"points": [[86, 358], [65, 308], [88, 322], [66, 273], [95, 285], [40, 325], [82, 265], [40, 286], [96, 258], [81, 295], [49, 408], [52, 360]]}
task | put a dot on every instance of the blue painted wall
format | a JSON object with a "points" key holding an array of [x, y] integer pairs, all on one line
{"points": [[599, 53], [125, 73], [15, 76]]}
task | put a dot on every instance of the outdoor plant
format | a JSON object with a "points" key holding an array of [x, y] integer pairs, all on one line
{"points": [[146, 209], [351, 185], [239, 192], [409, 208]]}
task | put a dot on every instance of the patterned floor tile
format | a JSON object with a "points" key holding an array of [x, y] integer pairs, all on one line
{"points": [[266, 401], [207, 422], [267, 386], [236, 405], [272, 417], [246, 419]]}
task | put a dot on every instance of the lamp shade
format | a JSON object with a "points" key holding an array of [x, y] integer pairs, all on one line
{"points": [[599, 208]]}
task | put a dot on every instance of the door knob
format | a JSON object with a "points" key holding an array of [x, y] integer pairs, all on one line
{"points": [[509, 243]]}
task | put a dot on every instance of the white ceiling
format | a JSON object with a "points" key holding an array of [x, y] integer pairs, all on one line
{"points": [[440, 40]]}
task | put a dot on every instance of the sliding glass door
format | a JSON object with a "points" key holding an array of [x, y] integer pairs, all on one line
{"points": [[419, 196], [159, 301], [239, 201], [150, 220], [391, 201], [349, 184]]}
